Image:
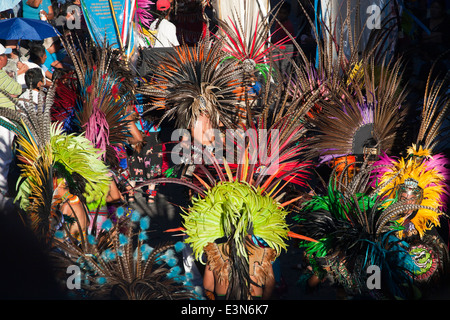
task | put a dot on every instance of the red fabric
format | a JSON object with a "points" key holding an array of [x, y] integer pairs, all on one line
{"points": [[162, 5]]}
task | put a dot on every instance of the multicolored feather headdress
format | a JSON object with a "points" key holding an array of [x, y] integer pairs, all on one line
{"points": [[195, 81], [105, 91], [356, 117], [430, 170], [244, 198], [47, 154], [390, 176], [353, 233]]}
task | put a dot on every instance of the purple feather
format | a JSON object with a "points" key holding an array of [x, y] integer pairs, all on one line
{"points": [[143, 15], [366, 113], [97, 130], [441, 164], [386, 162]]}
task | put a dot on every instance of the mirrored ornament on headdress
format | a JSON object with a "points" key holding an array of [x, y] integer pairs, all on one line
{"points": [[371, 150], [249, 65], [410, 190]]}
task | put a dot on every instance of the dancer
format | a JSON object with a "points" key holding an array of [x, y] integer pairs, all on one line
{"points": [[353, 236], [420, 180]]}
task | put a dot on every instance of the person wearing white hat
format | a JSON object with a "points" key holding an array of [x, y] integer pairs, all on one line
{"points": [[10, 86], [7, 84]]}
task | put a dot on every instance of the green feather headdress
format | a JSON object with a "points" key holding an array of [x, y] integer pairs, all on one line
{"points": [[234, 209], [46, 153]]}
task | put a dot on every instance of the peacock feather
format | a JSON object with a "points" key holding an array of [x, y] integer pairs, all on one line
{"points": [[118, 262]]}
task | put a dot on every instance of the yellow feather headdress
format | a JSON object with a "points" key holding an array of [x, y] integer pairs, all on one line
{"points": [[418, 151], [429, 179]]}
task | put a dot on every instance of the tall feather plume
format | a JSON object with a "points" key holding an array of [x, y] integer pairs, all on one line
{"points": [[435, 111], [104, 92], [376, 103], [46, 154], [118, 263], [195, 81]]}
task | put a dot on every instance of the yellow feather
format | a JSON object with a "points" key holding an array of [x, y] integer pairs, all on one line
{"points": [[228, 170], [418, 152], [429, 180]]}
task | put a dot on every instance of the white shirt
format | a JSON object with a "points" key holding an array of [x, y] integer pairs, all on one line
{"points": [[21, 77], [32, 95], [6, 155], [166, 35]]}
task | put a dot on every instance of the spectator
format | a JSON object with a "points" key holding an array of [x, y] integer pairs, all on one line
{"points": [[34, 80], [190, 20], [32, 12], [166, 32], [14, 45], [65, 14], [39, 56], [70, 18], [9, 85], [12, 58], [7, 14], [23, 65]]}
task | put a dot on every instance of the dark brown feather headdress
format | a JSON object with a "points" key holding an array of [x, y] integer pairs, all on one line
{"points": [[196, 81], [368, 111]]}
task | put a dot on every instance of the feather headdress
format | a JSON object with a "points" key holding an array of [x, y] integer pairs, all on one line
{"points": [[105, 91], [391, 173], [354, 117], [118, 263], [48, 154], [352, 234], [231, 210], [430, 170], [237, 200], [196, 81], [245, 31], [342, 59]]}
